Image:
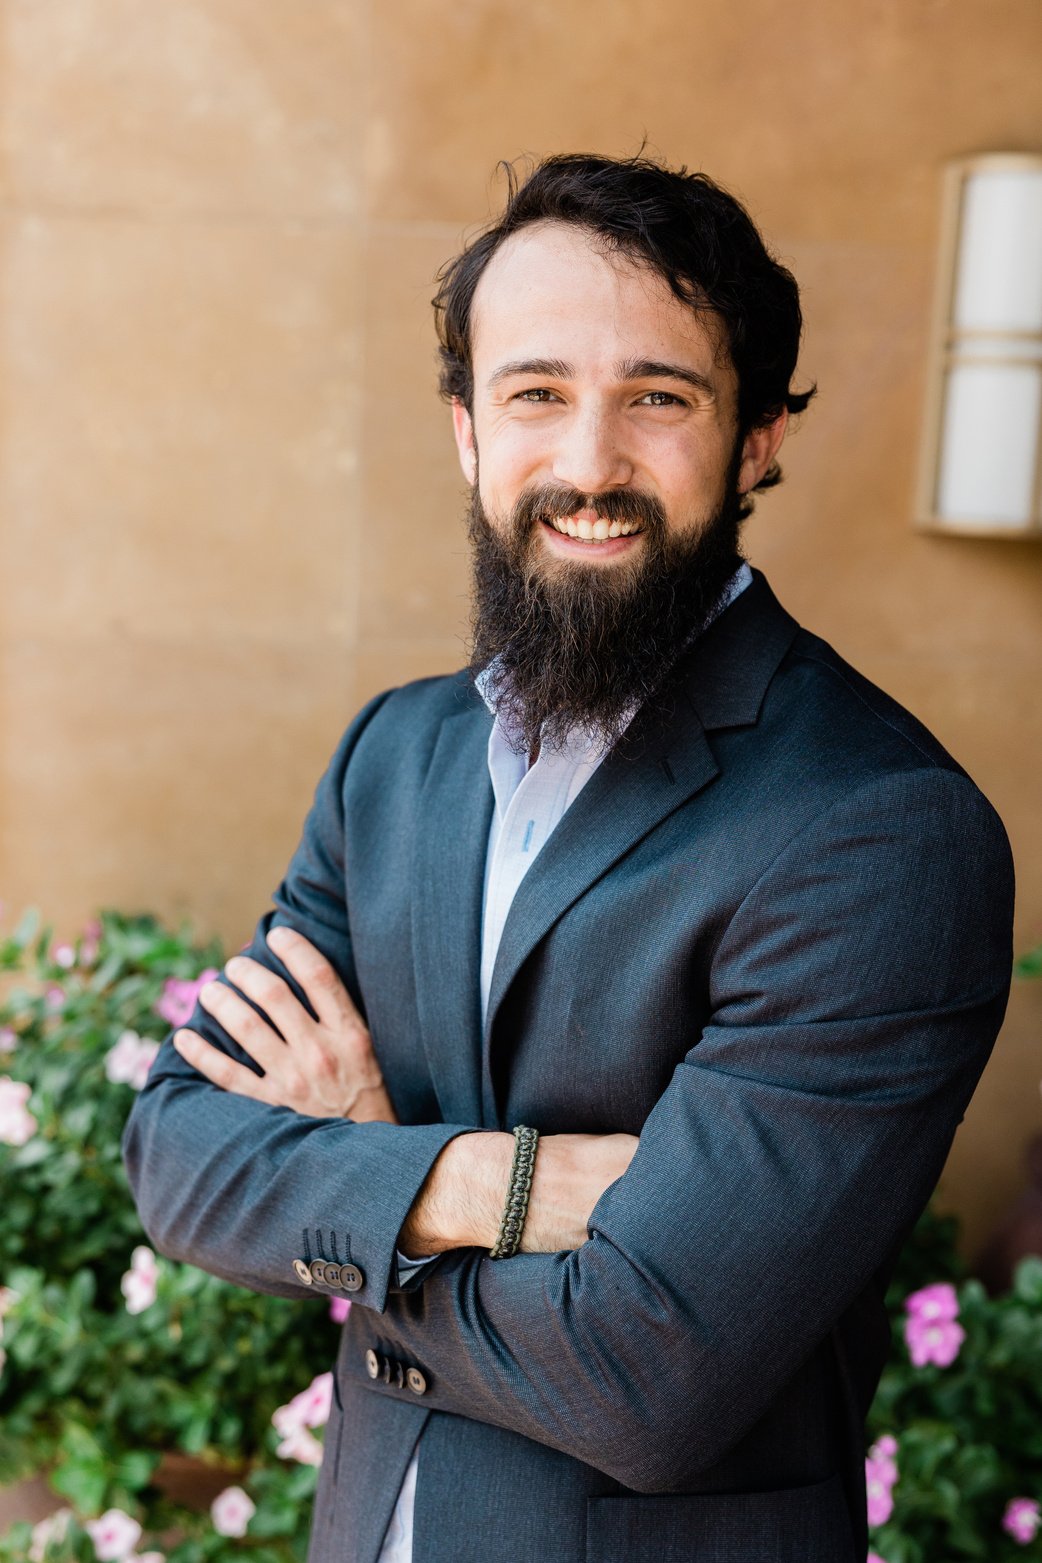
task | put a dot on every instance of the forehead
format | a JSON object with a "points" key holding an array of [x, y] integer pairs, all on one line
{"points": [[553, 291]]}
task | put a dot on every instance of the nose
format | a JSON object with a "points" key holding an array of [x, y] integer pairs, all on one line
{"points": [[590, 453]]}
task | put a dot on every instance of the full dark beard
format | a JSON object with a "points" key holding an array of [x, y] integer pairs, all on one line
{"points": [[570, 645]]}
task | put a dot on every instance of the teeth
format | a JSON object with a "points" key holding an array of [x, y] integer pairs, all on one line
{"points": [[592, 531]]}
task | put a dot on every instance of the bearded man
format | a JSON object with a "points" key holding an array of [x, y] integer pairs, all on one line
{"points": [[622, 998]]}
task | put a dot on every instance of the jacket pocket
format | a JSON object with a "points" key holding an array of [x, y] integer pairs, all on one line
{"points": [[791, 1525]]}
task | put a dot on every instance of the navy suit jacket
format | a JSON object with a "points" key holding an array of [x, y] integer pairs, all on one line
{"points": [[772, 937]]}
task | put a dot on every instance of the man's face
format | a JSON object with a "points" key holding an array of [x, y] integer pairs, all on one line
{"points": [[591, 377]]}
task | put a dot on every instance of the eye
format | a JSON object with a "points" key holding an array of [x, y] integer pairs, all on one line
{"points": [[662, 399], [535, 393]]}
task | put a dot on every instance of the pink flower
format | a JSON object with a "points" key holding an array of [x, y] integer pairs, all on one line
{"points": [[231, 1512], [292, 1422], [933, 1303], [339, 1308], [880, 1476], [873, 1557], [90, 943], [937, 1343], [883, 1457], [114, 1535], [63, 955], [130, 1058], [138, 1284], [178, 997], [53, 1528], [878, 1491], [302, 1446], [931, 1333], [17, 1124], [1021, 1519], [54, 997], [8, 1039]]}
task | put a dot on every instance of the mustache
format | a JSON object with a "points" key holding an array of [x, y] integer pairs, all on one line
{"points": [[614, 504]]}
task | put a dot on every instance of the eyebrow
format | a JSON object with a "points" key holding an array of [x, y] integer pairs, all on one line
{"points": [[628, 369]]}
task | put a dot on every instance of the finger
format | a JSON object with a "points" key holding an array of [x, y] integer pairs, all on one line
{"points": [[218, 1067], [329, 998], [272, 994], [244, 1025]]}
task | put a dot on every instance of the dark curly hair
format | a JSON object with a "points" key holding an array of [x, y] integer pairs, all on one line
{"points": [[683, 226]]}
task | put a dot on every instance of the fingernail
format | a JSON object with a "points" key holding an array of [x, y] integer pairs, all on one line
{"points": [[279, 934]]}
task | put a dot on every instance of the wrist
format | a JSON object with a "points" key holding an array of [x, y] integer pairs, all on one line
{"points": [[460, 1204]]}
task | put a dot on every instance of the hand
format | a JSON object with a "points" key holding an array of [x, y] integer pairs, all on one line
{"points": [[461, 1202], [325, 1068]]}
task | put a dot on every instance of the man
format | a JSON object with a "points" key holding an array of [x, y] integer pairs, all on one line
{"points": [[660, 876]]}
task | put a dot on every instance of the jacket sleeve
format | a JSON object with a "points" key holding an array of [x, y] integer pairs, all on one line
{"points": [[857, 993], [242, 1189]]}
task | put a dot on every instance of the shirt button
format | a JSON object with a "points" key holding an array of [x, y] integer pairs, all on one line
{"points": [[372, 1363], [318, 1270], [302, 1272], [416, 1381], [332, 1275], [351, 1278]]}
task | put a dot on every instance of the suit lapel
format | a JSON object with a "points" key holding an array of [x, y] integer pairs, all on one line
{"points": [[645, 778], [663, 759], [449, 868]]}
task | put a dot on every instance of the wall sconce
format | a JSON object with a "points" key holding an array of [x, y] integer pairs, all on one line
{"points": [[981, 472]]}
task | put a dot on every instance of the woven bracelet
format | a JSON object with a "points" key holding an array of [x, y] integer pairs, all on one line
{"points": [[508, 1239]]}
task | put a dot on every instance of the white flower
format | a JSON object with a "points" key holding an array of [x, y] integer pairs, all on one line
{"points": [[138, 1284], [53, 1528], [129, 1059], [232, 1511], [114, 1535], [17, 1124], [64, 955]]}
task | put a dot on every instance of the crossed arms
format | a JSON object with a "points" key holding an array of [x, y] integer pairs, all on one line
{"points": [[800, 1137]]}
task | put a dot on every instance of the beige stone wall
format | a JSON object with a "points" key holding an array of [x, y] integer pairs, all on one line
{"points": [[229, 502]]}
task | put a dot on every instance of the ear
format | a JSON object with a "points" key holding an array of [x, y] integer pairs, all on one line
{"points": [[759, 449], [463, 428]]}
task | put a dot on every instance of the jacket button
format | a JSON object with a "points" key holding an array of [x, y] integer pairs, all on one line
{"points": [[351, 1278], [416, 1381], [332, 1275], [318, 1270], [302, 1272], [372, 1363], [399, 1375]]}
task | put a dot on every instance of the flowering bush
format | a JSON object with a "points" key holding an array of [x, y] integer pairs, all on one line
{"points": [[111, 1357], [955, 1468]]}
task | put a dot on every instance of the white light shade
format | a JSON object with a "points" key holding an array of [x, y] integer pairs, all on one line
{"points": [[989, 440], [982, 469], [1000, 252]]}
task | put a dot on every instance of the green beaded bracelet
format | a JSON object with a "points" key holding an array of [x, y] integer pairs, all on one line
{"points": [[508, 1239]]}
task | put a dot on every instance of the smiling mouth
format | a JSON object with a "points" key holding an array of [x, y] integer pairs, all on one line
{"points": [[587, 528]]}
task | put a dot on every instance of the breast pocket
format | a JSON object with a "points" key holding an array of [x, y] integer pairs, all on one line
{"points": [[792, 1525]]}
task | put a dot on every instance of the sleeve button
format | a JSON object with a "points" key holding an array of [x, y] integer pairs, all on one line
{"points": [[372, 1363], [416, 1381], [302, 1272], [318, 1270], [351, 1278], [332, 1275]]}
